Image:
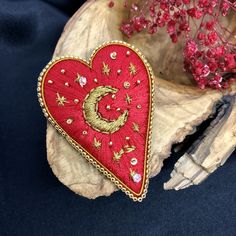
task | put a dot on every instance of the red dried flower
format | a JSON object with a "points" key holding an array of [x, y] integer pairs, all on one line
{"points": [[208, 54]]}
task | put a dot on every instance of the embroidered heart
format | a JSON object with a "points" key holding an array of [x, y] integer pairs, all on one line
{"points": [[104, 109]]}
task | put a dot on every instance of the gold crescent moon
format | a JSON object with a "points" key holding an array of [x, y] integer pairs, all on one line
{"points": [[92, 116]]}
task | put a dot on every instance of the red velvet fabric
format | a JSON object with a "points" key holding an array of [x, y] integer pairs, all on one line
{"points": [[140, 94]]}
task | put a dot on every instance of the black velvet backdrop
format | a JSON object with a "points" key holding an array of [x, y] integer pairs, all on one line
{"points": [[33, 201]]}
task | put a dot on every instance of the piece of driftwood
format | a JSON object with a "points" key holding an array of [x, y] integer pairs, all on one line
{"points": [[179, 109]]}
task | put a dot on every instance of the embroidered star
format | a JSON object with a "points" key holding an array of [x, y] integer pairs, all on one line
{"points": [[105, 69], [128, 99], [61, 100], [135, 127], [129, 148], [132, 69], [96, 143], [118, 155]]}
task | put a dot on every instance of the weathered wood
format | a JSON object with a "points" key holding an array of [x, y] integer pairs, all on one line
{"points": [[179, 108], [211, 150]]}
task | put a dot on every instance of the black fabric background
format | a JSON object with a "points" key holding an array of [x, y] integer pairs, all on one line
{"points": [[33, 201]]}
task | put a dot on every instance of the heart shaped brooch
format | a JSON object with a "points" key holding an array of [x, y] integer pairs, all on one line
{"points": [[104, 109]]}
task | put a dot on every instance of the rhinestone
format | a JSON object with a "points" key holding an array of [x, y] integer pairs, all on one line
{"points": [[126, 84], [113, 55], [139, 106], [138, 81], [50, 81], [113, 96], [119, 71], [118, 109], [127, 138], [133, 161], [69, 121], [82, 81], [76, 100], [67, 84], [108, 107], [63, 71], [110, 143], [95, 80], [128, 53], [136, 178]]}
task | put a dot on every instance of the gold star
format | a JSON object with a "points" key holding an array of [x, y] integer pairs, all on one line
{"points": [[118, 155], [135, 127], [128, 99], [61, 100], [132, 69], [96, 143], [129, 148], [106, 69]]}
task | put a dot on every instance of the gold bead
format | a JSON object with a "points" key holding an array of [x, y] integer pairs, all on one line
{"points": [[63, 71], [84, 132], [113, 55], [50, 81], [126, 84]]}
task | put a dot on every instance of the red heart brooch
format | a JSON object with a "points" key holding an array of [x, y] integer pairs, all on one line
{"points": [[104, 109]]}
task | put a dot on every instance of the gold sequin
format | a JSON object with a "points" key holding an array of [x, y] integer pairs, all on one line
{"points": [[84, 132], [133, 161], [69, 121], [113, 55], [126, 84]]}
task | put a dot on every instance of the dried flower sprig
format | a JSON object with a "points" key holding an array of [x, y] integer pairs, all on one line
{"points": [[208, 51]]}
